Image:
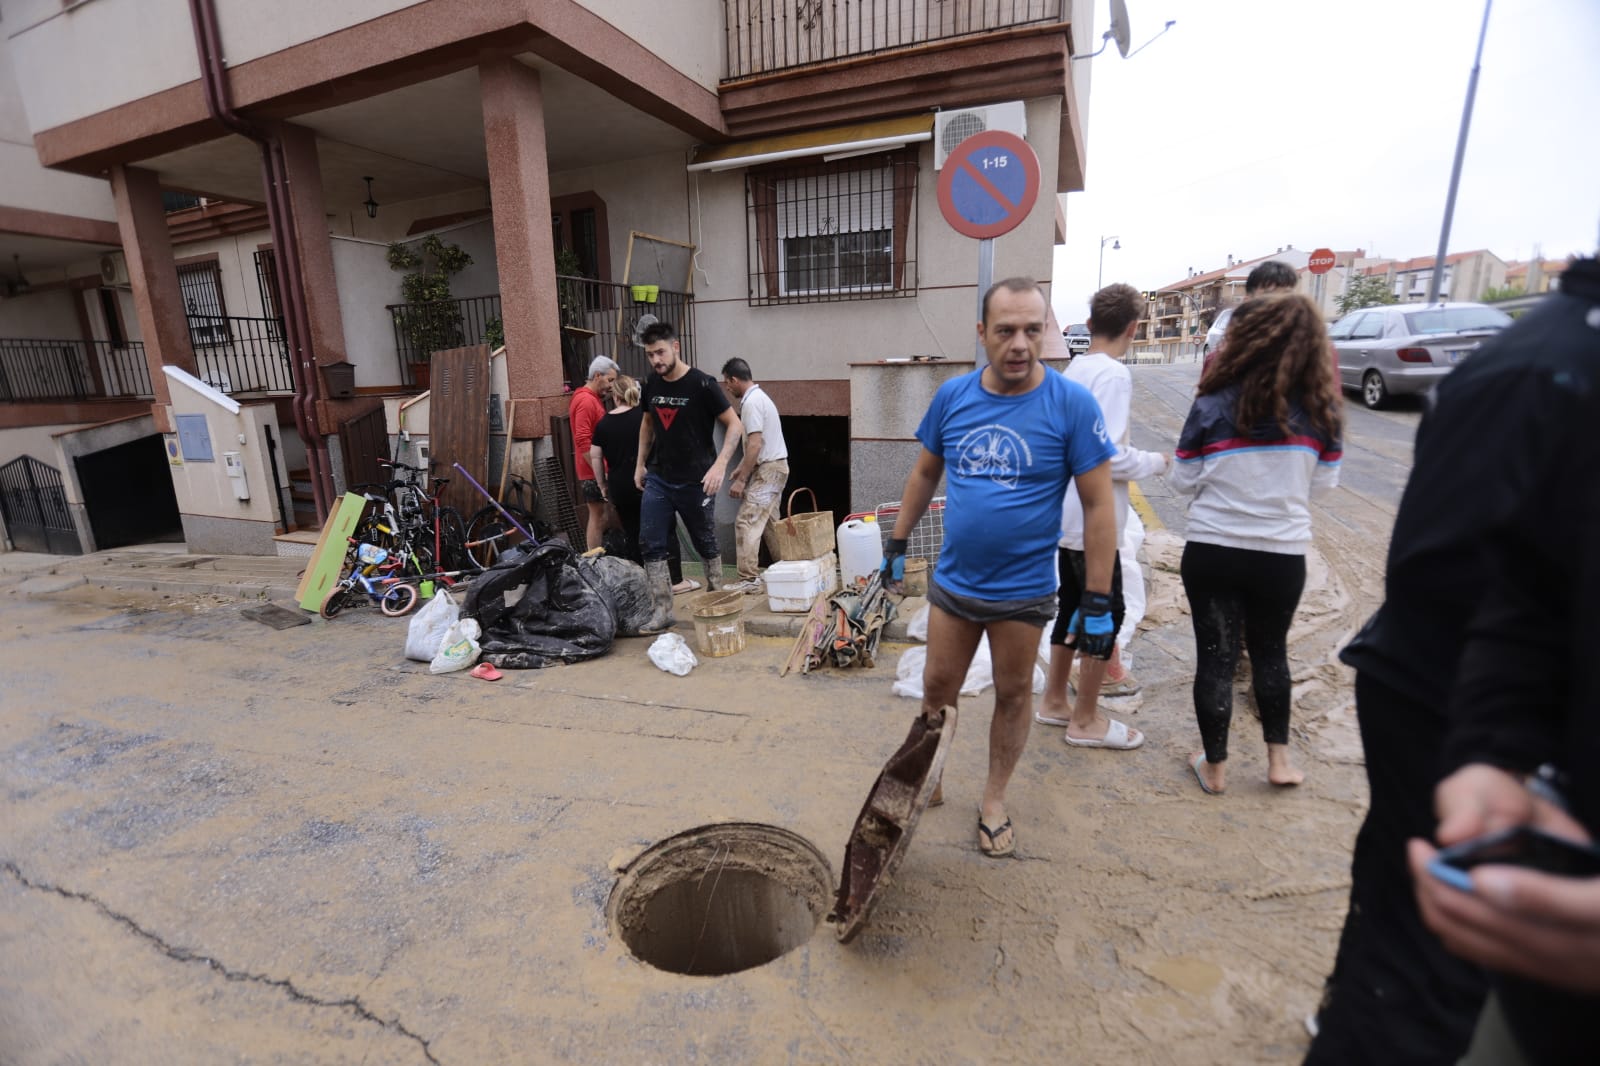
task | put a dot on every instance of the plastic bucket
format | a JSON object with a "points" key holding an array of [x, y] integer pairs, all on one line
{"points": [[645, 294], [718, 627], [860, 549], [916, 582]]}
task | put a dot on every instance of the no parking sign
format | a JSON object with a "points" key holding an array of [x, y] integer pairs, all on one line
{"points": [[989, 184]]}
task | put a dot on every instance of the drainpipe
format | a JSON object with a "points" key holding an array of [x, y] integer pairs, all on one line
{"points": [[286, 260]]}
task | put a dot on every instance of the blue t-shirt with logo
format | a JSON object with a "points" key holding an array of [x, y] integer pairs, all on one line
{"points": [[1007, 463]]}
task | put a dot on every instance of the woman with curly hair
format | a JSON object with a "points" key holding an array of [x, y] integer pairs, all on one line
{"points": [[1262, 437]]}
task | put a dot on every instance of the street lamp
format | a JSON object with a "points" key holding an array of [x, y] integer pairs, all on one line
{"points": [[1101, 278]]}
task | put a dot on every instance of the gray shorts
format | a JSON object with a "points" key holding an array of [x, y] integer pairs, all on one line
{"points": [[1035, 612]]}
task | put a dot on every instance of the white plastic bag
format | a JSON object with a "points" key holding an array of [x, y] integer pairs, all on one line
{"points": [[428, 626], [459, 649], [673, 654], [980, 675], [917, 627]]}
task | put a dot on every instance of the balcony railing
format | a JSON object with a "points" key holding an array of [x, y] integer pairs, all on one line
{"points": [[764, 36], [597, 318], [43, 370], [236, 355]]}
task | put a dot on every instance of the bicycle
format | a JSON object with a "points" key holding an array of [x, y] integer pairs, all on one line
{"points": [[490, 535], [394, 596], [432, 531]]}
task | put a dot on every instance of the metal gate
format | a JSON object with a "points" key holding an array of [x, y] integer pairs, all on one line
{"points": [[34, 505]]}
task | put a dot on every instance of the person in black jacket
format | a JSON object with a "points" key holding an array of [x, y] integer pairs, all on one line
{"points": [[1484, 452], [1527, 699]]}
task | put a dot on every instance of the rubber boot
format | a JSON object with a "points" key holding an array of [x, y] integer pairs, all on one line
{"points": [[714, 573], [661, 618]]}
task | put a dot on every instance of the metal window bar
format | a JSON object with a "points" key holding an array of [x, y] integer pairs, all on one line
{"points": [[832, 231], [44, 369], [763, 37], [267, 284], [597, 318], [253, 359], [201, 288]]}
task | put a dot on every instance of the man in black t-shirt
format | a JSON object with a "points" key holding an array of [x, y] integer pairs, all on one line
{"points": [[679, 469]]}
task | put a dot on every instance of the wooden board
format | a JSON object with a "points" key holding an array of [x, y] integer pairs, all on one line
{"points": [[327, 558], [458, 423]]}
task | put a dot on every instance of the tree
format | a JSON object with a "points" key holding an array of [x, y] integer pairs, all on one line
{"points": [[1365, 292]]}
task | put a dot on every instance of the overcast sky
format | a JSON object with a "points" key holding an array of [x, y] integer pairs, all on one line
{"points": [[1254, 124]]}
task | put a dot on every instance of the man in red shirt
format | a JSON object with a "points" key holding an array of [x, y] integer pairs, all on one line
{"points": [[588, 406]]}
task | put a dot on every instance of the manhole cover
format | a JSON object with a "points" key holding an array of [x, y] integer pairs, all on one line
{"points": [[721, 898]]}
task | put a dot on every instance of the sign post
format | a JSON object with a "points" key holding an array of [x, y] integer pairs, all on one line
{"points": [[987, 187], [1319, 264]]}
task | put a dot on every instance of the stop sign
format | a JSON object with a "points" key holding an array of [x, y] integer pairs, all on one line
{"points": [[1321, 261]]}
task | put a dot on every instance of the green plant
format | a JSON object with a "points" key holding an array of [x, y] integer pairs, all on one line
{"points": [[494, 333], [1365, 292], [430, 318], [1503, 292]]}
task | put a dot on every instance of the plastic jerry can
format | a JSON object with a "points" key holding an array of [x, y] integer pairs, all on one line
{"points": [[860, 549]]}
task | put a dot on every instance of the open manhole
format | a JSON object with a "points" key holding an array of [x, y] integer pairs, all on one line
{"points": [[721, 898]]}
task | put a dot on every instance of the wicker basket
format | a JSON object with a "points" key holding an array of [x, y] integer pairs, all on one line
{"points": [[802, 536]]}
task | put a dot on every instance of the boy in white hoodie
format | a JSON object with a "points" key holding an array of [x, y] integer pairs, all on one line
{"points": [[1113, 318]]}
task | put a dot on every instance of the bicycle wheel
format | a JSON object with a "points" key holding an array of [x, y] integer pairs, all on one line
{"points": [[398, 600], [334, 602], [490, 536], [453, 540]]}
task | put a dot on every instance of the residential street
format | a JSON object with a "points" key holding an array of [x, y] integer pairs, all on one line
{"points": [[224, 842]]}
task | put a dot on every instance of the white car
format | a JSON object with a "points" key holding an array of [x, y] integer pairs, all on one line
{"points": [[1077, 339], [1214, 335]]}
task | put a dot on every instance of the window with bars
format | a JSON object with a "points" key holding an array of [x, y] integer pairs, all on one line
{"points": [[833, 231], [201, 285]]}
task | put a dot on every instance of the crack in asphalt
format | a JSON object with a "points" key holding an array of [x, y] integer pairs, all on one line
{"points": [[350, 1003]]}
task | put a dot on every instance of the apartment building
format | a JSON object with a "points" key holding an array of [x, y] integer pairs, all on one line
{"points": [[769, 170], [1467, 275]]}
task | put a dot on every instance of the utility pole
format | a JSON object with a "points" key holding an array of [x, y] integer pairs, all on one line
{"points": [[1455, 170]]}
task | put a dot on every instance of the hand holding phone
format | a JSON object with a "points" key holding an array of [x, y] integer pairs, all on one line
{"points": [[1521, 845]]}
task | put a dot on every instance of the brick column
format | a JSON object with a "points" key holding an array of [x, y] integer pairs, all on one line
{"points": [[148, 247], [519, 192]]}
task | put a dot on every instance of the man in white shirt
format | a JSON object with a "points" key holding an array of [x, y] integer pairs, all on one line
{"points": [[758, 482], [1113, 318]]}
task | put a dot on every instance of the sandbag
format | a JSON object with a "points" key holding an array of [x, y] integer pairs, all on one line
{"points": [[538, 608], [626, 588]]}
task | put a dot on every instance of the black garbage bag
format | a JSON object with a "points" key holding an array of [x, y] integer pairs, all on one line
{"points": [[561, 616], [626, 588]]}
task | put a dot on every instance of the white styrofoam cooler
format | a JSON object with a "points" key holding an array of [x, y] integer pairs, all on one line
{"points": [[794, 586]]}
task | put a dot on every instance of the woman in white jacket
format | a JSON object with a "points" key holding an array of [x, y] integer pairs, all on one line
{"points": [[1262, 436]]}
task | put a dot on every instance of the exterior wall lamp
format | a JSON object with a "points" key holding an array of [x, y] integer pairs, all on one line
{"points": [[370, 204]]}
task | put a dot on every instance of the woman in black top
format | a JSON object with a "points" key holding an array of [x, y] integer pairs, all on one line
{"points": [[615, 443]]}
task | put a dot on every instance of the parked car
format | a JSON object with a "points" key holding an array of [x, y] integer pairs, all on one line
{"points": [[1215, 334], [1408, 348], [1077, 339]]}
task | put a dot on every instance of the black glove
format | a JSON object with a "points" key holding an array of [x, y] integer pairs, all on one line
{"points": [[1092, 626], [894, 561]]}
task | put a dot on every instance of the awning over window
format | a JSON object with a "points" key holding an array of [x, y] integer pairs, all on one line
{"points": [[834, 142]]}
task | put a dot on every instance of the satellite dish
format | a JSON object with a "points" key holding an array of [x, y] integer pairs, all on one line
{"points": [[1119, 31]]}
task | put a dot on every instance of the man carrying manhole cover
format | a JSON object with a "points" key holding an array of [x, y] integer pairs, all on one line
{"points": [[1008, 438], [758, 482], [679, 468]]}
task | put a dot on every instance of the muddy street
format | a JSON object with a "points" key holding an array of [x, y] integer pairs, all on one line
{"points": [[224, 842]]}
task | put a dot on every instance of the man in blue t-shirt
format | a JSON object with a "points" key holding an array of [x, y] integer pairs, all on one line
{"points": [[1008, 438]]}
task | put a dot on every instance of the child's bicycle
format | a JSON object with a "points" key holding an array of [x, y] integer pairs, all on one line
{"points": [[376, 574]]}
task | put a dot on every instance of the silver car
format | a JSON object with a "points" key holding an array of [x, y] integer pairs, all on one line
{"points": [[1408, 348], [1218, 330]]}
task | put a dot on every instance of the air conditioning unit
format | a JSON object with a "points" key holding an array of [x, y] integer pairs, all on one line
{"points": [[113, 271], [950, 128]]}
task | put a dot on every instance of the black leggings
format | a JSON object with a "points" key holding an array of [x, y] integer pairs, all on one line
{"points": [[1230, 588]]}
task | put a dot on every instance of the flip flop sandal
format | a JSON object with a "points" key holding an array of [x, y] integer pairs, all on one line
{"points": [[1195, 764], [986, 839], [486, 672], [1118, 738]]}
